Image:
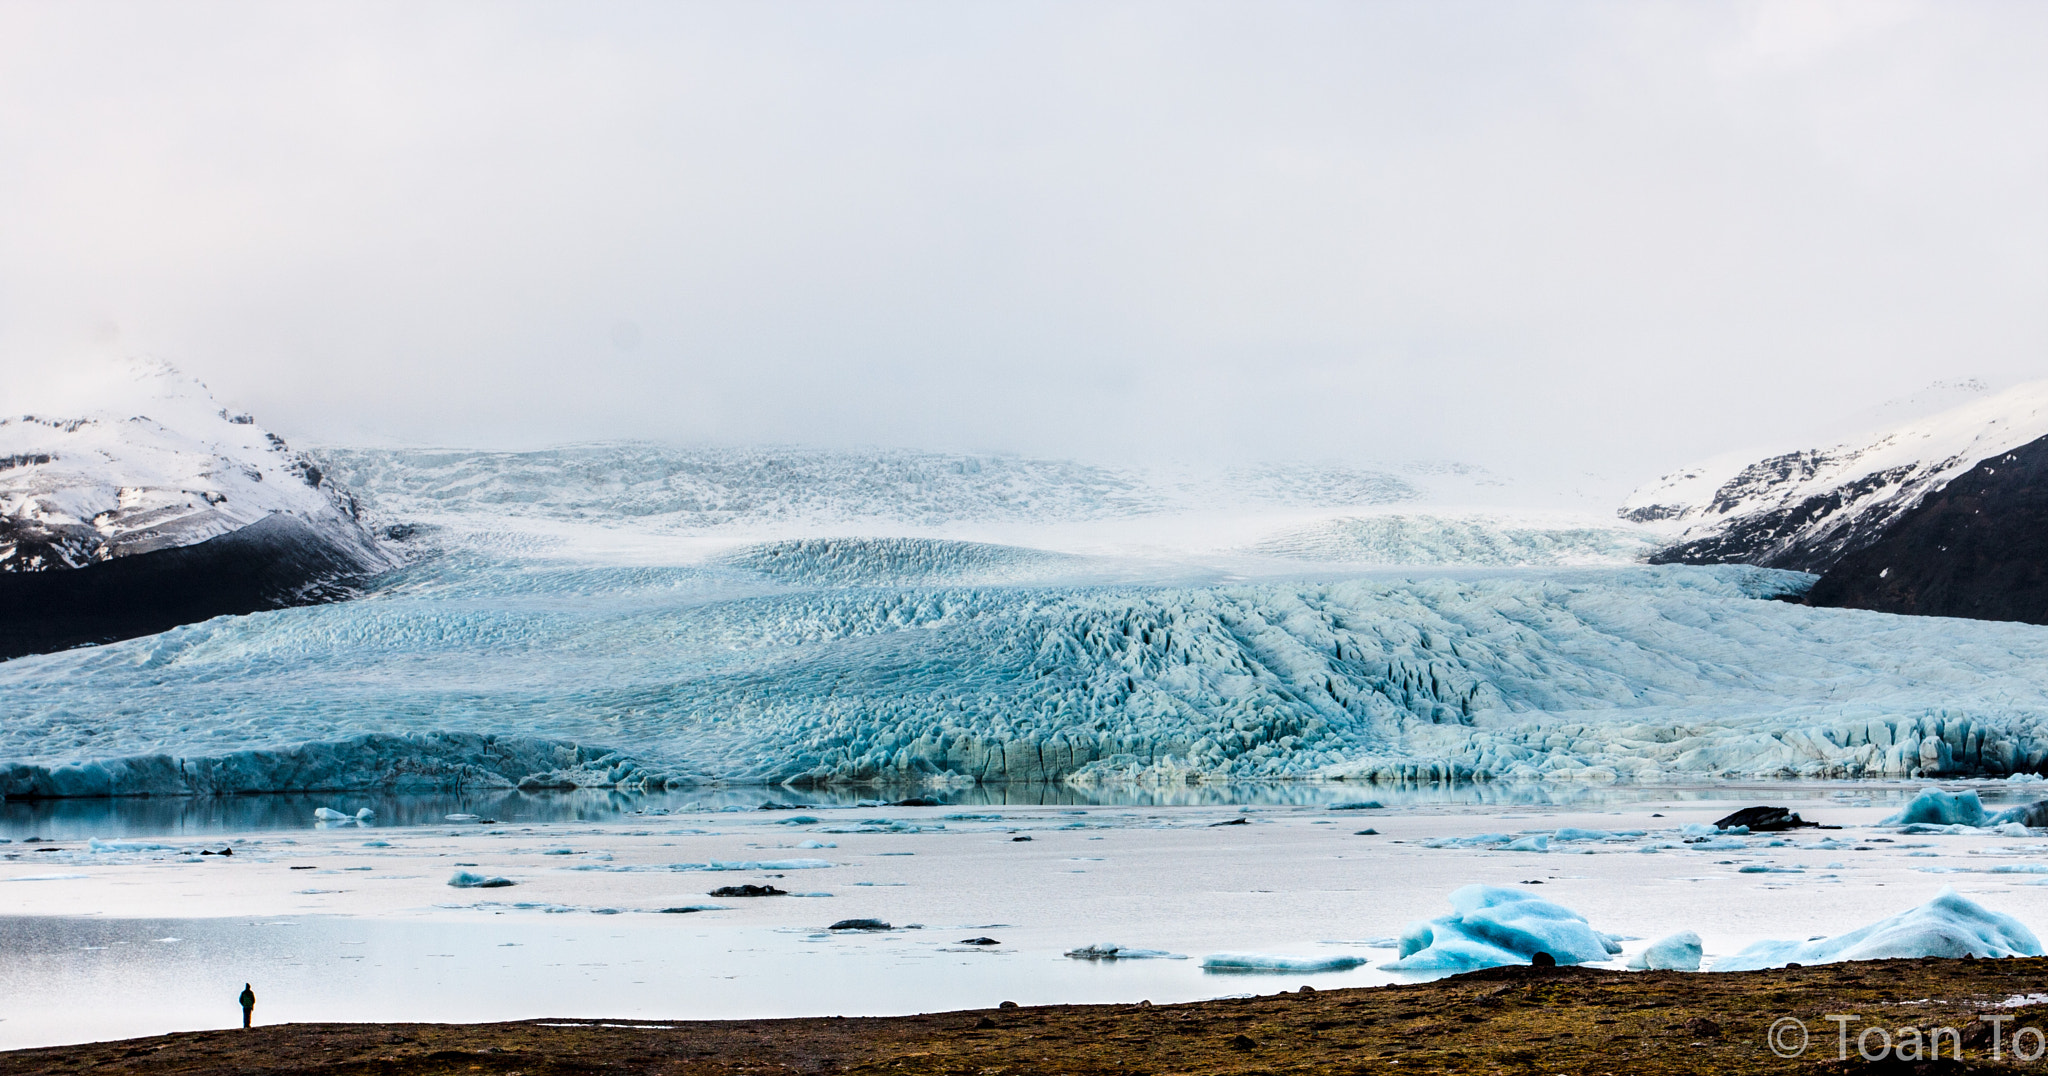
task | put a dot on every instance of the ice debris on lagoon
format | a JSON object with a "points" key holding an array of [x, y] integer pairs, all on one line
{"points": [[1277, 962], [1678, 952], [1947, 926], [1492, 926]]}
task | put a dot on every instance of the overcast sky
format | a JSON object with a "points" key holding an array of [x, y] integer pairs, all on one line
{"points": [[1571, 235]]}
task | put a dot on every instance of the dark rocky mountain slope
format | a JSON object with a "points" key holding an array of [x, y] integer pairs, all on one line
{"points": [[1977, 548]]}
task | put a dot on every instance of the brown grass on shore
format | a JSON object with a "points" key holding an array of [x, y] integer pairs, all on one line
{"points": [[1506, 1020]]}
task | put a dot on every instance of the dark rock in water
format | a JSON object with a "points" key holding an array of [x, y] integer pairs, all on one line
{"points": [[1020, 838], [276, 562], [859, 924], [1238, 821], [917, 801], [747, 891], [1764, 820], [979, 941], [1362, 805], [1542, 960], [1365, 833], [1976, 548]]}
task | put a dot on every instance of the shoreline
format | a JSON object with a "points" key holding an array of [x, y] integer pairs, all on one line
{"points": [[1515, 1019]]}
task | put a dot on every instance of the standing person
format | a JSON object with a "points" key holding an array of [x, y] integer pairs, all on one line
{"points": [[248, 1004]]}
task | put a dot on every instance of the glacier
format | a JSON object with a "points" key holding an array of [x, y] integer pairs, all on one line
{"points": [[475, 670], [650, 617]]}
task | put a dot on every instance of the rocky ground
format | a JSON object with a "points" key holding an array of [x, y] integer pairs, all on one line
{"points": [[1514, 1020]]}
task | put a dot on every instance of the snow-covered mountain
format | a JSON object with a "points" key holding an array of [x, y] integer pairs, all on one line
{"points": [[1808, 509], [157, 506]]}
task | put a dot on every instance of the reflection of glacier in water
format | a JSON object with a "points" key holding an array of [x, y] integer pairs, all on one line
{"points": [[204, 816], [519, 658]]}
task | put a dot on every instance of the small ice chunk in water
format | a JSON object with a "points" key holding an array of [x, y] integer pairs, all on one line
{"points": [[1106, 951], [1947, 926], [1491, 926], [1278, 962], [469, 880], [330, 815], [459, 817], [1679, 952], [1538, 843], [1573, 833]]}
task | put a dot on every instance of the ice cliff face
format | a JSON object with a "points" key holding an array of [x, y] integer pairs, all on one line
{"points": [[640, 676], [94, 504], [1806, 510]]}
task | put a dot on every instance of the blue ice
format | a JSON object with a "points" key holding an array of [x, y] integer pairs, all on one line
{"points": [[1491, 926]]}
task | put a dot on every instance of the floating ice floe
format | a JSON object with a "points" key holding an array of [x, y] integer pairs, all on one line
{"points": [[96, 845], [1278, 962], [1106, 951], [330, 816], [1678, 952], [714, 865], [468, 880], [1947, 926], [1491, 926]]}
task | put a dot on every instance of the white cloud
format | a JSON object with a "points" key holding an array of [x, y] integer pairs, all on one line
{"points": [[1573, 235]]}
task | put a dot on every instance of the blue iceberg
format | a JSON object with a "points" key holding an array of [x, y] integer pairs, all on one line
{"points": [[1678, 952], [1947, 926], [1491, 926]]}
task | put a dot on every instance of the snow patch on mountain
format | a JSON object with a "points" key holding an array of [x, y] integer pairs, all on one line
{"points": [[1806, 509], [155, 463]]}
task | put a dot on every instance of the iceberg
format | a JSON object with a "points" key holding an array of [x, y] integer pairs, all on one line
{"points": [[1935, 807], [1491, 926], [1677, 952], [1947, 926]]}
